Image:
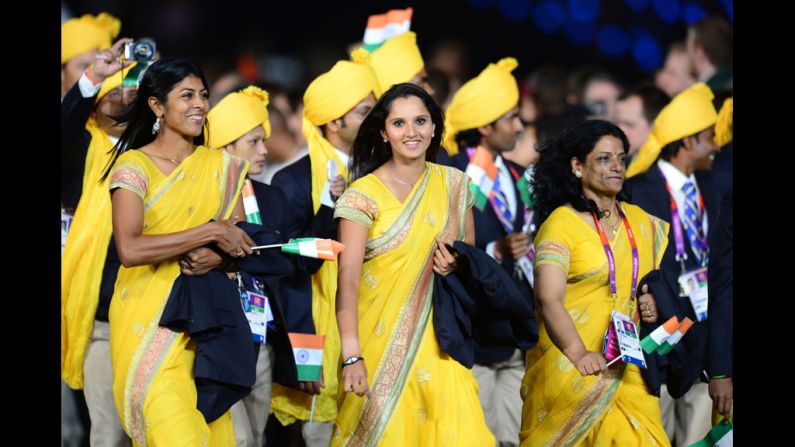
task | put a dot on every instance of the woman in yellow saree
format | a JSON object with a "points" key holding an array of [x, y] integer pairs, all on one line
{"points": [[169, 197], [570, 396], [398, 387]]}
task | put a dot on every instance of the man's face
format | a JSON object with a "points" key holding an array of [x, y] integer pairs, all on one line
{"points": [[630, 118], [704, 149], [676, 75], [502, 135], [421, 79], [605, 92], [348, 125]]}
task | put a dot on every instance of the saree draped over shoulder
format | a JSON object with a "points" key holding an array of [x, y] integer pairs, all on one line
{"points": [[418, 394], [153, 383], [561, 407]]}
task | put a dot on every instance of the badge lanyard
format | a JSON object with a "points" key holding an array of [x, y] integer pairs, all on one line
{"points": [[611, 262]]}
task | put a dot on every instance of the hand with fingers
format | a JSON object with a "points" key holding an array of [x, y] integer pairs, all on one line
{"points": [[232, 239], [354, 378], [199, 261], [589, 363], [647, 306], [515, 245], [444, 262], [108, 61], [337, 187], [721, 391], [314, 386]]}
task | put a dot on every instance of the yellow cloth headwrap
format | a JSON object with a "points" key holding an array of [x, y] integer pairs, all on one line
{"points": [[723, 128], [237, 114], [87, 33], [114, 81], [482, 100], [330, 96], [396, 61], [688, 113]]}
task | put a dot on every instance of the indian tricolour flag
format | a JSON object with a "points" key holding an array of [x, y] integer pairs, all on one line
{"points": [[482, 170], [381, 27], [721, 435], [659, 335], [666, 347], [314, 248], [308, 353], [250, 203]]}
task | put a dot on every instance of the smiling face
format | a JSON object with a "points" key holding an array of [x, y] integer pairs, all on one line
{"points": [[185, 108], [408, 128], [604, 168]]}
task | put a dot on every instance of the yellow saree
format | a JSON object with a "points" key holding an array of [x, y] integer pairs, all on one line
{"points": [[562, 408], [153, 366], [418, 395], [84, 258]]}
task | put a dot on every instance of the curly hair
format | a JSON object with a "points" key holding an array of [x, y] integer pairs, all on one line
{"points": [[554, 183]]}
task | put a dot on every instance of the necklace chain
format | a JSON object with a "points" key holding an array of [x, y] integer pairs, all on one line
{"points": [[394, 176]]}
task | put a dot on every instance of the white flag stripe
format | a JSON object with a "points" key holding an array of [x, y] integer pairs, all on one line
{"points": [[250, 204], [313, 357], [308, 248], [659, 335]]}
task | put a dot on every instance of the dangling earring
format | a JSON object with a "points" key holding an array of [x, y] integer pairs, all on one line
{"points": [[577, 174], [156, 126]]}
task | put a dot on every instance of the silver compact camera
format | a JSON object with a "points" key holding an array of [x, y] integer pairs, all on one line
{"points": [[140, 50]]}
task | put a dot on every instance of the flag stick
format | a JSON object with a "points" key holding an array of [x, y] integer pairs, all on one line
{"points": [[312, 411], [613, 361], [259, 247]]}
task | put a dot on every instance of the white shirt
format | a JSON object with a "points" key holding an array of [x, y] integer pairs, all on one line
{"points": [[325, 196], [506, 186], [344, 158], [272, 168], [676, 180]]}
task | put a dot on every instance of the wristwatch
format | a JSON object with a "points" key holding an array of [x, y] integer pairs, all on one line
{"points": [[352, 360]]}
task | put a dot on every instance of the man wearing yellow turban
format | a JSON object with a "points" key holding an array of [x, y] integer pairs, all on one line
{"points": [[665, 184], [81, 39], [399, 60], [90, 260], [483, 122], [240, 124], [335, 104]]}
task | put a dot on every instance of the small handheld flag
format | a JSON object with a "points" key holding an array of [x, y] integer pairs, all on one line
{"points": [[659, 335], [381, 27], [250, 204], [308, 353], [668, 344], [482, 170]]}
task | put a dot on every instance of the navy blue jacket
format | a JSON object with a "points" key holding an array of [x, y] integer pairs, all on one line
{"points": [[488, 228], [480, 305], [295, 181], [648, 191], [720, 359], [75, 139]]}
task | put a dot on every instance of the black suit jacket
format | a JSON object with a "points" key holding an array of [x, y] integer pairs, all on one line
{"points": [[488, 228], [720, 345], [649, 192], [295, 182], [75, 139]]}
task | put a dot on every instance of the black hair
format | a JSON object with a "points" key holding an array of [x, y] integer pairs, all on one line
{"points": [[369, 151], [158, 80], [554, 183], [652, 98]]}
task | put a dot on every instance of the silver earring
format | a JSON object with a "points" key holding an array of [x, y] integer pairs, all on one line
{"points": [[433, 134], [385, 140], [577, 174], [156, 126]]}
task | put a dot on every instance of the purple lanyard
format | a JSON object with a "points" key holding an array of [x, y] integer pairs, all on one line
{"points": [[611, 262]]}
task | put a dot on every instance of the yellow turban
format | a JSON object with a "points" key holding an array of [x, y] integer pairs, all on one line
{"points": [[87, 33], [690, 112], [481, 100], [237, 114], [114, 81], [396, 61], [723, 128], [330, 96]]}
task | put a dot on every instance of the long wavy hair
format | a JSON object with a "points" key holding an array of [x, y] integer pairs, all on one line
{"points": [[554, 183], [158, 80], [369, 149]]}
